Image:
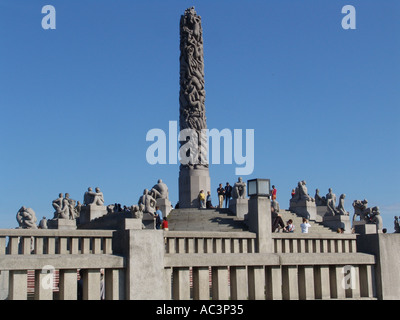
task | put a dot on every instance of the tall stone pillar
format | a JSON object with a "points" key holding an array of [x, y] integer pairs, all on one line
{"points": [[194, 174]]}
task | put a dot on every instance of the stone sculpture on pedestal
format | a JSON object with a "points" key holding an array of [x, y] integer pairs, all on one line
{"points": [[93, 206], [239, 189], [336, 217], [160, 193], [302, 203], [370, 219], [319, 201], [95, 198], [239, 204], [26, 218], [330, 203], [147, 204], [65, 213]]}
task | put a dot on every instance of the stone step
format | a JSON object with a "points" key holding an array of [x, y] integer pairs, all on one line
{"points": [[316, 227]]}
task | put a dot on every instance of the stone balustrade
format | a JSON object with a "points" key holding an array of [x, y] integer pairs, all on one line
{"points": [[314, 243], [209, 242], [46, 253], [270, 276]]}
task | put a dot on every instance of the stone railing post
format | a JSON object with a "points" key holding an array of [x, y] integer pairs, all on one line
{"points": [[259, 221], [144, 254]]}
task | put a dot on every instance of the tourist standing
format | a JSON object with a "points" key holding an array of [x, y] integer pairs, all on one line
{"points": [[221, 194], [159, 217], [304, 226], [202, 199], [228, 194], [165, 224], [273, 193], [208, 201]]}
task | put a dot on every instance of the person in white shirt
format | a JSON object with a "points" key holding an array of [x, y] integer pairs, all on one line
{"points": [[304, 226]]}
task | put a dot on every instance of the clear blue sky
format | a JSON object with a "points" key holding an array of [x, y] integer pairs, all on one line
{"points": [[77, 102]]}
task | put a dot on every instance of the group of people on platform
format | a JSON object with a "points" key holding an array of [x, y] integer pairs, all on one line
{"points": [[224, 193]]}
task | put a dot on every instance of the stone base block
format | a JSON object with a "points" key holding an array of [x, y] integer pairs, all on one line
{"points": [[191, 181], [361, 227], [306, 209], [240, 207], [321, 211], [336, 222], [165, 206], [149, 221], [91, 212], [61, 224], [133, 224]]}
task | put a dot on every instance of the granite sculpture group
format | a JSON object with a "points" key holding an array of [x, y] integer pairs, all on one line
{"points": [[70, 213]]}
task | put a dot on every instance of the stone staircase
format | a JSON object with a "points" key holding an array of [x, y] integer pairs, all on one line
{"points": [[316, 227], [193, 219], [222, 220]]}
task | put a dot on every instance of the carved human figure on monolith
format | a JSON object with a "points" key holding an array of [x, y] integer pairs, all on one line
{"points": [[193, 171], [26, 218], [239, 189]]}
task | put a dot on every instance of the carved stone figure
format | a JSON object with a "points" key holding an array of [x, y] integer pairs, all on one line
{"points": [[160, 190], [239, 189], [78, 209], [137, 211], [375, 217], [340, 208], [64, 207], [43, 223], [319, 201], [396, 225], [95, 198], [26, 218], [148, 202], [361, 210], [192, 92], [301, 193], [331, 203]]}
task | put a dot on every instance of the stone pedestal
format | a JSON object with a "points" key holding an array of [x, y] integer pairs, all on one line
{"points": [[61, 224], [321, 211], [191, 181], [259, 221], [149, 221], [306, 209], [165, 206], [339, 221], [133, 224], [240, 207], [360, 227], [91, 212]]}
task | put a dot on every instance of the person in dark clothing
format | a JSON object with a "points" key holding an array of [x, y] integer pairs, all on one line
{"points": [[221, 195], [276, 220], [228, 194]]}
